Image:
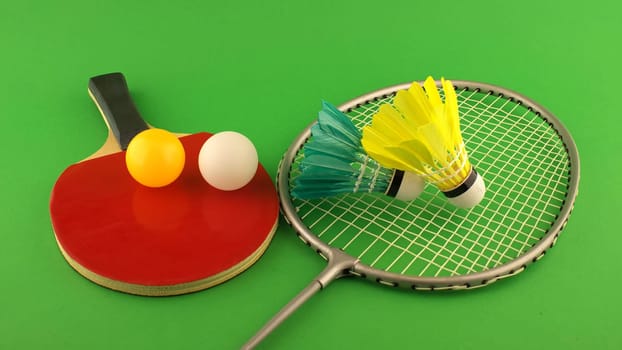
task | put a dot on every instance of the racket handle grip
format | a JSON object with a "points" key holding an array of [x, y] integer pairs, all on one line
{"points": [[112, 96], [339, 265]]}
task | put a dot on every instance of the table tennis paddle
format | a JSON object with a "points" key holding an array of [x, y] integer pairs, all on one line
{"points": [[172, 240]]}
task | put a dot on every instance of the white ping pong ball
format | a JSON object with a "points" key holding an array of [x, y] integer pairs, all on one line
{"points": [[228, 160]]}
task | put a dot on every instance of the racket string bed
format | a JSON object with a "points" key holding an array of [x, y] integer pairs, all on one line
{"points": [[504, 137]]}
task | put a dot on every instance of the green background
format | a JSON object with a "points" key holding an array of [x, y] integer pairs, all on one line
{"points": [[262, 68]]}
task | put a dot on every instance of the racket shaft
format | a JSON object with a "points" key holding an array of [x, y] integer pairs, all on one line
{"points": [[339, 265], [285, 312]]}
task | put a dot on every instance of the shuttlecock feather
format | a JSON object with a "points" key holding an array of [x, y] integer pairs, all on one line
{"points": [[420, 133], [334, 162]]}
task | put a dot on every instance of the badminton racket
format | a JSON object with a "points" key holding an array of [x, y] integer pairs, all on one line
{"points": [[531, 168]]}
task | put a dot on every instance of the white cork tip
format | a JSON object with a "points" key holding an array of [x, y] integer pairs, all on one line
{"points": [[411, 187], [472, 196]]}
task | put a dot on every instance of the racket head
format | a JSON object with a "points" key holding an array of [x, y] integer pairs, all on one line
{"points": [[531, 167], [177, 239]]}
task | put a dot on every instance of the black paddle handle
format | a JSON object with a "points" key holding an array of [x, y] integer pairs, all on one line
{"points": [[112, 96]]}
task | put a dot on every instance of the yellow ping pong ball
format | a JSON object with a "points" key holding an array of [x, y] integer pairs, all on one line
{"points": [[228, 160], [155, 158]]}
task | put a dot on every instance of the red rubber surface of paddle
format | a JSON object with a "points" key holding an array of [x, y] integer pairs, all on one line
{"points": [[187, 231]]}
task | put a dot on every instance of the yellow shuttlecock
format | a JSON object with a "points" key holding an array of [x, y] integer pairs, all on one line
{"points": [[421, 134]]}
